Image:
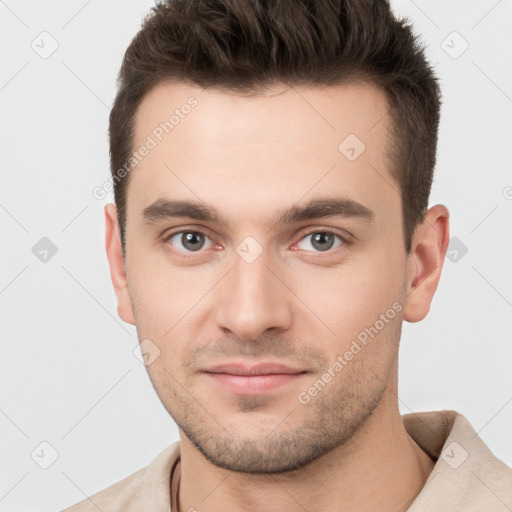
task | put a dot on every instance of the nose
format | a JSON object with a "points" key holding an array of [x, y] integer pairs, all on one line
{"points": [[253, 300]]}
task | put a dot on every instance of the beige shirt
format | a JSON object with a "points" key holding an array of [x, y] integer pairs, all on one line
{"points": [[467, 477]]}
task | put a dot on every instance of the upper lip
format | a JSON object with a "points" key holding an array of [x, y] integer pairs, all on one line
{"points": [[266, 368]]}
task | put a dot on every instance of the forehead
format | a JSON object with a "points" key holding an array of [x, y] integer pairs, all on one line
{"points": [[322, 111], [279, 146]]}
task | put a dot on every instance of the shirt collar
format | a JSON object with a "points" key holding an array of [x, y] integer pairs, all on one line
{"points": [[466, 473]]}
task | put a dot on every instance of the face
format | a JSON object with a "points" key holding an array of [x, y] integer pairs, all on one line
{"points": [[295, 258]]}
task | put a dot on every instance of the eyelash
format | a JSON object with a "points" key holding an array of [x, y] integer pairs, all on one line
{"points": [[345, 241]]}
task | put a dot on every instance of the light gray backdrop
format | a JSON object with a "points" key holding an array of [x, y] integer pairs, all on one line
{"points": [[69, 378]]}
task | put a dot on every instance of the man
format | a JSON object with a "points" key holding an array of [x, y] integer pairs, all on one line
{"points": [[293, 144]]}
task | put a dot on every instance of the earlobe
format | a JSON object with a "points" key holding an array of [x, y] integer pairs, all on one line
{"points": [[425, 262], [116, 263]]}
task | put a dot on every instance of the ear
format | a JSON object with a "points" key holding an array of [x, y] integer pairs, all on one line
{"points": [[425, 262], [116, 263]]}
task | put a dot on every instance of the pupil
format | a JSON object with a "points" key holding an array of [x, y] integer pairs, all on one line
{"points": [[189, 240], [320, 238]]}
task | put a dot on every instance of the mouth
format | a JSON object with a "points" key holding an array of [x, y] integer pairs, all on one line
{"points": [[245, 379]]}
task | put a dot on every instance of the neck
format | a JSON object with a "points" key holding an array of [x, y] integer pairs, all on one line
{"points": [[379, 468]]}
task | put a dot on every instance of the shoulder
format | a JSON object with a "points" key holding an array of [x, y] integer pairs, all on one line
{"points": [[134, 491], [467, 475], [123, 495]]}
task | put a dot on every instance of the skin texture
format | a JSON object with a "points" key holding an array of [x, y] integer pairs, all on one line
{"points": [[252, 157]]}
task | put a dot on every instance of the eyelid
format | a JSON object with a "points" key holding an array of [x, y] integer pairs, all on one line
{"points": [[346, 239], [180, 231], [344, 235]]}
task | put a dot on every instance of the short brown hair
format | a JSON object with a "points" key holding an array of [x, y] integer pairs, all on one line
{"points": [[248, 45]]}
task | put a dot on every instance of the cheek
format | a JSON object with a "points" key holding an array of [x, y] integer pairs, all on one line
{"points": [[344, 300], [166, 302], [163, 293]]}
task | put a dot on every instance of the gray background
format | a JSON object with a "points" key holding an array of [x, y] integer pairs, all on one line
{"points": [[69, 376]]}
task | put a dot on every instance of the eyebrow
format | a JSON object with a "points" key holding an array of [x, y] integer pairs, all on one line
{"points": [[164, 209]]}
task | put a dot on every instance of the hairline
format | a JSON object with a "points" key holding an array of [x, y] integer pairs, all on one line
{"points": [[356, 77]]}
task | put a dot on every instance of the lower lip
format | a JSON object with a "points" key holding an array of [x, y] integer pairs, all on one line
{"points": [[253, 384]]}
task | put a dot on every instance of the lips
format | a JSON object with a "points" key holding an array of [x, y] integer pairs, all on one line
{"points": [[245, 379], [257, 369]]}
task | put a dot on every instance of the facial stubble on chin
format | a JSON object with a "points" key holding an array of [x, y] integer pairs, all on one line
{"points": [[327, 422], [301, 433]]}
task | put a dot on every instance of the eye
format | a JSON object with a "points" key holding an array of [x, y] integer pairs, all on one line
{"points": [[188, 241], [321, 241]]}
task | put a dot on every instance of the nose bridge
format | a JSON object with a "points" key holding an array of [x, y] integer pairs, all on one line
{"points": [[253, 300], [251, 279]]}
